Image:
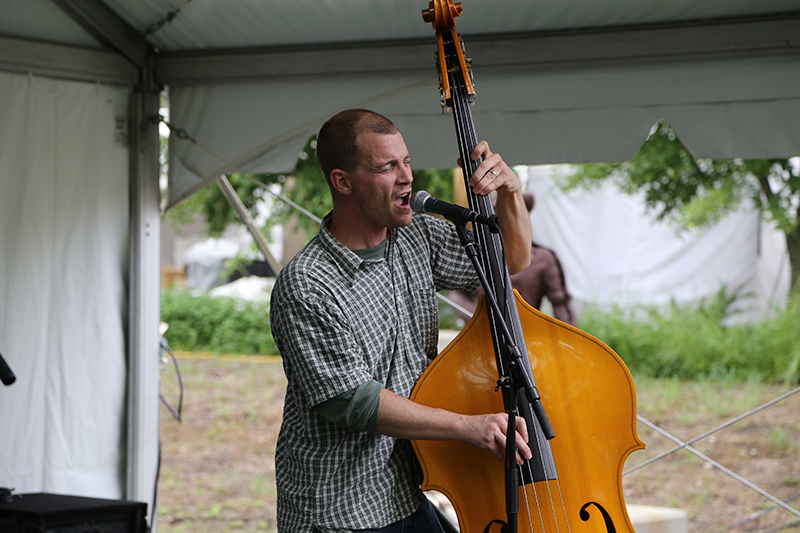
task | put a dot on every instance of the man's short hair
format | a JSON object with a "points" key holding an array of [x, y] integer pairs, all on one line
{"points": [[337, 141]]}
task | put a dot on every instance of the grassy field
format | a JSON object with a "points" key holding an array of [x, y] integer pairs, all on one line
{"points": [[217, 470]]}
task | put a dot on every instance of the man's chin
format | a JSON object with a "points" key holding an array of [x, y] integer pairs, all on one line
{"points": [[402, 221]]}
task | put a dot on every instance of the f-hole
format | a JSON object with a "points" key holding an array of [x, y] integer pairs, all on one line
{"points": [[609, 523]]}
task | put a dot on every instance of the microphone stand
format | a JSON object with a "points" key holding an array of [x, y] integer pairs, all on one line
{"points": [[6, 375], [515, 380]]}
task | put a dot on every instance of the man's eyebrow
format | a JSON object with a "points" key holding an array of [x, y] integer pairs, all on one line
{"points": [[383, 162], [380, 162]]}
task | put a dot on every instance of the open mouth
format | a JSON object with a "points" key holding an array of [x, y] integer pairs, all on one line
{"points": [[403, 200]]}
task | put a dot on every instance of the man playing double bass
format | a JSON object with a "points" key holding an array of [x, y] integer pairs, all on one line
{"points": [[355, 318]]}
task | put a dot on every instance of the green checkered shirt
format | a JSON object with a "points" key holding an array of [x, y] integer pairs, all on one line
{"points": [[339, 321]]}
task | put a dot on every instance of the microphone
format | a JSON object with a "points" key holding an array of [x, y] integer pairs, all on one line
{"points": [[423, 202], [6, 375]]}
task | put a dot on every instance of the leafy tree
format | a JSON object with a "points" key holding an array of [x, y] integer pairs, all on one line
{"points": [[698, 192], [214, 207]]}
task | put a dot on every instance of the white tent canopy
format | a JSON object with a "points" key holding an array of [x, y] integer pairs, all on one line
{"points": [[557, 80], [580, 96], [249, 82], [550, 117]]}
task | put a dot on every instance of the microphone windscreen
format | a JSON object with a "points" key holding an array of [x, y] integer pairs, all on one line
{"points": [[418, 200]]}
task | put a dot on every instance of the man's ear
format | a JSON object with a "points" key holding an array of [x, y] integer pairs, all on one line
{"points": [[341, 182]]}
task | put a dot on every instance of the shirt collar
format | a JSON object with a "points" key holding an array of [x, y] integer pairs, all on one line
{"points": [[347, 260]]}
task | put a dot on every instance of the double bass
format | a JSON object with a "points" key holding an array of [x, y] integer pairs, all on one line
{"points": [[575, 394]]}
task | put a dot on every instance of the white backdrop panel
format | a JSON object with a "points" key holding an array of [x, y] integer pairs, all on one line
{"points": [[64, 212], [614, 253]]}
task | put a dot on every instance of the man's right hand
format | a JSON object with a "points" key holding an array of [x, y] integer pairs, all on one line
{"points": [[401, 418]]}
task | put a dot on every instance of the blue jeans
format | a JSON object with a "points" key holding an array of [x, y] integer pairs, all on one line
{"points": [[424, 520]]}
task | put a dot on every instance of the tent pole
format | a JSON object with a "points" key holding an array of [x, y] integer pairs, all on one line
{"points": [[144, 306], [247, 220]]}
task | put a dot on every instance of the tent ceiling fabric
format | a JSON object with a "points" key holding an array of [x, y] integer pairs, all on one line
{"points": [[204, 25], [558, 80], [588, 96]]}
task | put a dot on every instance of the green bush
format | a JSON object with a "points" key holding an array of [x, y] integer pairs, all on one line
{"points": [[687, 342], [697, 342], [202, 323]]}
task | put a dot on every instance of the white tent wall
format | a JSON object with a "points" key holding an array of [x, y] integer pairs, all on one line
{"points": [[614, 252], [79, 286], [81, 333], [64, 225]]}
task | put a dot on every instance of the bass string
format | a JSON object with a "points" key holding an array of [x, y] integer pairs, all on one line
{"points": [[494, 252], [553, 508], [467, 140]]}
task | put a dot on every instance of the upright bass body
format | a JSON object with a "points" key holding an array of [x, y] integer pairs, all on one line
{"points": [[575, 394], [591, 403]]}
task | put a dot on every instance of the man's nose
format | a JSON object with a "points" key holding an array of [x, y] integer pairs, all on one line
{"points": [[407, 175]]}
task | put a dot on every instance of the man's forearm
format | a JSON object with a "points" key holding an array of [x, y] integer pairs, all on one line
{"points": [[401, 418], [515, 225]]}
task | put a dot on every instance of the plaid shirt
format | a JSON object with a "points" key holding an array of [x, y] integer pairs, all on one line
{"points": [[339, 321]]}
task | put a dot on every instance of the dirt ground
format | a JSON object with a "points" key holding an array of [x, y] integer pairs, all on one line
{"points": [[217, 471]]}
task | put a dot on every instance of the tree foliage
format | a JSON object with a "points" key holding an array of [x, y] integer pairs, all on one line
{"points": [[698, 192], [214, 207]]}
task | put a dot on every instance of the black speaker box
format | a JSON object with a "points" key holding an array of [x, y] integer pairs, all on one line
{"points": [[59, 513]]}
